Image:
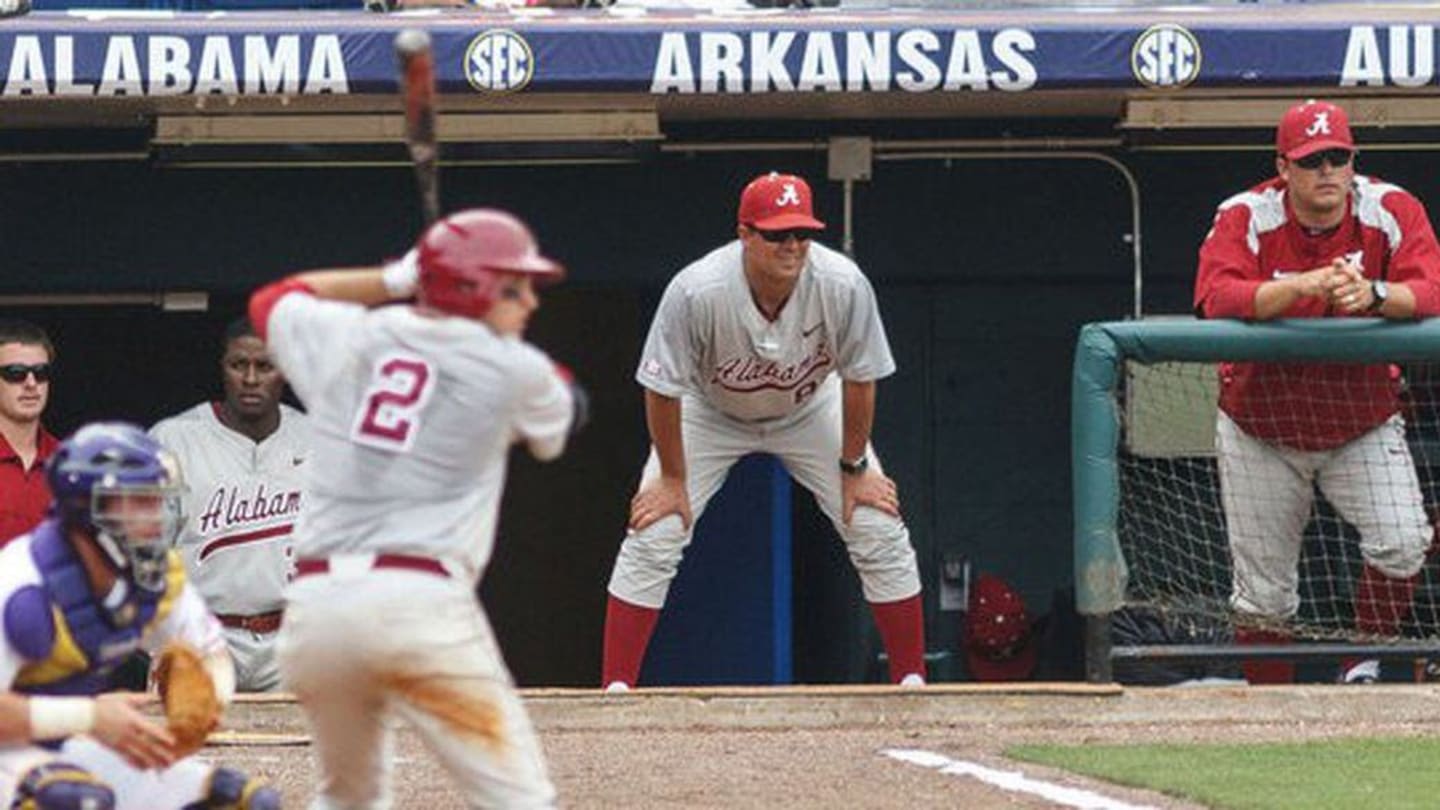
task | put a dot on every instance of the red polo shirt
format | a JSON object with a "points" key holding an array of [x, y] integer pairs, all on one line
{"points": [[24, 495]]}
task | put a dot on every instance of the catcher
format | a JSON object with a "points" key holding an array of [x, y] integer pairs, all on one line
{"points": [[87, 587]]}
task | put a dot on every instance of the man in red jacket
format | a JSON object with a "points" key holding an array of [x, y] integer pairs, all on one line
{"points": [[1317, 241]]}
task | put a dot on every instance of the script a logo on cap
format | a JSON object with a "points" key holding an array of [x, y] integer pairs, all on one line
{"points": [[1166, 55], [1319, 126], [499, 61], [788, 195]]}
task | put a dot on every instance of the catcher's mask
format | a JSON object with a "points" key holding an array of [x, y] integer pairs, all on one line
{"points": [[119, 486], [465, 257]]}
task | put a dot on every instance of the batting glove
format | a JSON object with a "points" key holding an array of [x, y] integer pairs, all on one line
{"points": [[402, 276]]}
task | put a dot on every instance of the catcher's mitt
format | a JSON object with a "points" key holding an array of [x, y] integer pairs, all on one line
{"points": [[192, 709]]}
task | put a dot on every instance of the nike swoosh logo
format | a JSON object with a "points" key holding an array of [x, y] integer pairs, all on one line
{"points": [[808, 332]]}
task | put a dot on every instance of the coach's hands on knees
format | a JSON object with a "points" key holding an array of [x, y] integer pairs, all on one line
{"points": [[121, 726], [870, 488], [657, 499]]}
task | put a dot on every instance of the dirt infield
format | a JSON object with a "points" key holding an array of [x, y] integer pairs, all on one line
{"points": [[822, 747]]}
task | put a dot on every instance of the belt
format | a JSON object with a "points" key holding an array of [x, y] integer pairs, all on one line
{"points": [[321, 565], [255, 623]]}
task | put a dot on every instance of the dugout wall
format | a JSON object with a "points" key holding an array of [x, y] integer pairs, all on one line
{"points": [[990, 230], [985, 271], [980, 315]]}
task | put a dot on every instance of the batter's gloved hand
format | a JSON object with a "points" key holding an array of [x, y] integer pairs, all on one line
{"points": [[192, 708], [578, 395], [402, 276]]}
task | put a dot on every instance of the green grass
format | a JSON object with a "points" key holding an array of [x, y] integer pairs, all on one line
{"points": [[1348, 774]]}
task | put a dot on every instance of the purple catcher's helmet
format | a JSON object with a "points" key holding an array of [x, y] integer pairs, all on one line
{"points": [[114, 481]]}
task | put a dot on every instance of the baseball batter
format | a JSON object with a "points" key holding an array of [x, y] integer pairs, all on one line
{"points": [[82, 591], [771, 343], [413, 412], [243, 460], [1317, 241]]}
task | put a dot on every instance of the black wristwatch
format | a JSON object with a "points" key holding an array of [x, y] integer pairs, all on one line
{"points": [[1380, 291], [855, 467]]}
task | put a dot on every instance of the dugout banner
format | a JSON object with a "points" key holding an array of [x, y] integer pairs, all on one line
{"points": [[760, 51]]}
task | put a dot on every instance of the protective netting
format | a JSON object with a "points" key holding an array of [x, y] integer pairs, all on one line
{"points": [[1172, 522]]}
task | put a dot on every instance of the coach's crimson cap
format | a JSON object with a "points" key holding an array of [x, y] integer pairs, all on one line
{"points": [[1312, 126], [778, 202], [998, 643]]}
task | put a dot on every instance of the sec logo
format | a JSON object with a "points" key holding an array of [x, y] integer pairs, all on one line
{"points": [[1166, 56], [499, 61]]}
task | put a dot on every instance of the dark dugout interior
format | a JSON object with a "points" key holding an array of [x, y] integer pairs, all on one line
{"points": [[985, 270]]}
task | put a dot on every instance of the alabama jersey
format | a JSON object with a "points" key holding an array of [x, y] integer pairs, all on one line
{"points": [[1256, 239], [709, 339], [394, 398], [242, 501]]}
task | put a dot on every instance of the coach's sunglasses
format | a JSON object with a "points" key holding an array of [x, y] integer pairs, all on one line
{"points": [[780, 237], [17, 372], [1337, 158]]}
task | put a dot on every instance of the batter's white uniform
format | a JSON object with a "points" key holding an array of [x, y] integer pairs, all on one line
{"points": [[412, 420], [169, 789], [243, 498], [748, 385]]}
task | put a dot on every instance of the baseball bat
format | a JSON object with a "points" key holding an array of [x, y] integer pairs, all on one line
{"points": [[417, 85]]}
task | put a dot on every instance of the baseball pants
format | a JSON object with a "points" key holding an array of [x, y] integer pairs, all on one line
{"points": [[1267, 493], [808, 444], [364, 648], [254, 657]]}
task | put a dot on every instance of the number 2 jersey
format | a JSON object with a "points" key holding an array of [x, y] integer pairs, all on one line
{"points": [[412, 417], [709, 339]]}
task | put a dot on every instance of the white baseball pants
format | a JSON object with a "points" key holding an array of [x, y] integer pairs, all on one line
{"points": [[364, 648], [808, 444], [254, 657], [1267, 492]]}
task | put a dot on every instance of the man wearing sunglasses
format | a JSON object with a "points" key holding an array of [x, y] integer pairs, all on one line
{"points": [[243, 458], [769, 344], [26, 357], [1317, 241]]}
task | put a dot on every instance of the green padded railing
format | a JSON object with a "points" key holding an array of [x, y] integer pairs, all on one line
{"points": [[1103, 348]]}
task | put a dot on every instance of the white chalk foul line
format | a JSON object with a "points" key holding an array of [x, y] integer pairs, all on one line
{"points": [[1013, 781]]}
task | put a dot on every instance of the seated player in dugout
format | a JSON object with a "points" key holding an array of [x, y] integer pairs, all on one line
{"points": [[88, 586], [771, 343], [243, 458], [1317, 240]]}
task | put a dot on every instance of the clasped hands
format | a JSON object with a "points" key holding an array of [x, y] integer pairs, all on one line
{"points": [[1341, 283]]}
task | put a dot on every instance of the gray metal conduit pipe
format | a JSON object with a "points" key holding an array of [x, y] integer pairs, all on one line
{"points": [[965, 149]]}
